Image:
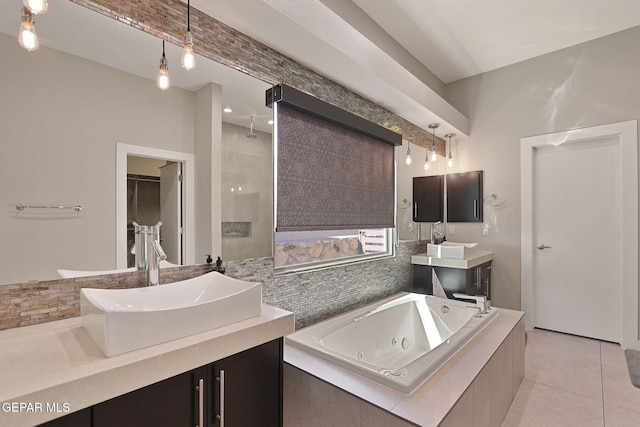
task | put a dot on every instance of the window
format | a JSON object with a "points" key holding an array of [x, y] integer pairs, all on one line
{"points": [[303, 250]]}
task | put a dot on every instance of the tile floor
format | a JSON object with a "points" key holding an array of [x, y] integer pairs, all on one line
{"points": [[574, 381]]}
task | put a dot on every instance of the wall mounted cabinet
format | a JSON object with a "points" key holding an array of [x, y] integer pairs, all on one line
{"points": [[464, 197], [428, 198]]}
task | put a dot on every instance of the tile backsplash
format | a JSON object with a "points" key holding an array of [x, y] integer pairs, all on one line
{"points": [[312, 296], [34, 302]]}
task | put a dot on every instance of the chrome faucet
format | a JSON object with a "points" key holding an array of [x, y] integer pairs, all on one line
{"points": [[155, 254], [148, 251], [482, 303], [435, 233]]}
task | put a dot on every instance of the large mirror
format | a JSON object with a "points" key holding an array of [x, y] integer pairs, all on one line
{"points": [[76, 111]]}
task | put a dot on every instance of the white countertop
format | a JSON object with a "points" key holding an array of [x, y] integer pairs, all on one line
{"points": [[439, 393], [57, 362], [473, 260]]}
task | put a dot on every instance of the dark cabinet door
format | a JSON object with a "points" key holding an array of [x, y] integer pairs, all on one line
{"points": [[472, 281], [247, 388], [464, 197], [479, 280], [428, 198], [171, 402], [80, 418]]}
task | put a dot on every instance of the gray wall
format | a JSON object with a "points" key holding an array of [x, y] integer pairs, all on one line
{"points": [[60, 119], [586, 85]]}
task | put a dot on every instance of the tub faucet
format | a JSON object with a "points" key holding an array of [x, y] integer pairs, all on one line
{"points": [[482, 302], [435, 233]]}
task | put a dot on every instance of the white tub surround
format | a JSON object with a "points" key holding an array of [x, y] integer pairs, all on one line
{"points": [[57, 362], [474, 387], [472, 260]]}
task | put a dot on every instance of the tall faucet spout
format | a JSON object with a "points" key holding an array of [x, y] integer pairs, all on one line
{"points": [[434, 232], [155, 254]]}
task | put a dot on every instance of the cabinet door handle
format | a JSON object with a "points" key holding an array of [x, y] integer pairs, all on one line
{"points": [[478, 278], [415, 209], [200, 388], [221, 381], [475, 209]]}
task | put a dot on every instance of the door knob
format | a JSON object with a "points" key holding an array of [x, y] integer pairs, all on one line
{"points": [[541, 246]]}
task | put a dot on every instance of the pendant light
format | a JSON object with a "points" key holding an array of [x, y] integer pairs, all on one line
{"points": [[433, 127], [426, 160], [450, 158], [163, 76], [27, 35], [188, 58], [36, 6], [407, 160]]}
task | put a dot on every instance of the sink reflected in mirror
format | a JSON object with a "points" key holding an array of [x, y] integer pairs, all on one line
{"points": [[451, 250], [72, 274], [122, 320]]}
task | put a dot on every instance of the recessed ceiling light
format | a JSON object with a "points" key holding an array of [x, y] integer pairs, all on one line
{"points": [[227, 110]]}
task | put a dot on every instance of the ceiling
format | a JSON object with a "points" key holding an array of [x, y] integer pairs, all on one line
{"points": [[454, 39], [397, 53], [400, 53]]}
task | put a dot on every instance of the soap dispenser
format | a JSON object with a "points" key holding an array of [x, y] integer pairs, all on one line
{"points": [[219, 268]]}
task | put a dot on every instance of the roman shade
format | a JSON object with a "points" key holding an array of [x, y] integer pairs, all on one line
{"points": [[334, 170]]}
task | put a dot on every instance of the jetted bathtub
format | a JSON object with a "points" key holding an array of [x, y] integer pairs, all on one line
{"points": [[399, 341]]}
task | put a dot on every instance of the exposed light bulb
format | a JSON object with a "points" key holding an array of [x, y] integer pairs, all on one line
{"points": [[434, 156], [163, 79], [27, 36], [426, 165], [450, 157], [36, 6], [408, 159], [163, 76], [188, 58]]}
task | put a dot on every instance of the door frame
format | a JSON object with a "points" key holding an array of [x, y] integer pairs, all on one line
{"points": [[188, 206], [626, 134]]}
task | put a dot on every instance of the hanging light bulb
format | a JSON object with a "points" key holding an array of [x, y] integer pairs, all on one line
{"points": [[426, 160], [408, 159], [433, 127], [163, 76], [450, 158], [27, 35], [188, 58], [36, 6]]}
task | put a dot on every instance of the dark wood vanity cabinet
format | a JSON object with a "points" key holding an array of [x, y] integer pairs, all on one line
{"points": [[244, 390], [472, 281], [464, 197], [428, 197]]}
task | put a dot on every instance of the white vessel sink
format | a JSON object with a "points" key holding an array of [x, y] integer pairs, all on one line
{"points": [[71, 274], [121, 320], [451, 250]]}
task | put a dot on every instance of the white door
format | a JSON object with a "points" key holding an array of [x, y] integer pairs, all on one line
{"points": [[577, 254], [171, 211]]}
